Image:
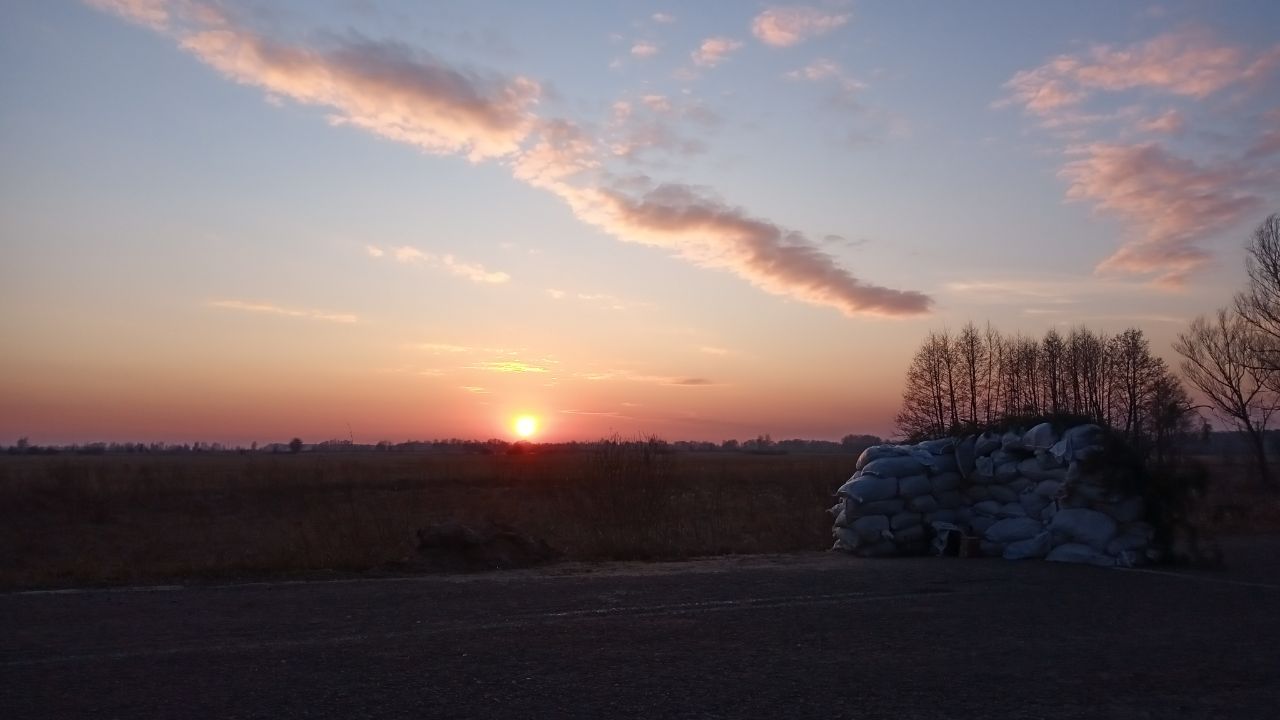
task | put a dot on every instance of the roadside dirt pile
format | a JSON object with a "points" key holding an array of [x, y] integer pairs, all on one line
{"points": [[1033, 494]]}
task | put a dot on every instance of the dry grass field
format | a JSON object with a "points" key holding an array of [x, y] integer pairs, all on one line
{"points": [[74, 520]]}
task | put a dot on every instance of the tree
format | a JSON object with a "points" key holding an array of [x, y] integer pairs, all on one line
{"points": [[1220, 360], [295, 445]]}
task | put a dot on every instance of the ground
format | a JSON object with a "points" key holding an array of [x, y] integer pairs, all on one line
{"points": [[798, 635]]}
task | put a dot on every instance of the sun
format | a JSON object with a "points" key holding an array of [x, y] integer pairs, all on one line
{"points": [[526, 426]]}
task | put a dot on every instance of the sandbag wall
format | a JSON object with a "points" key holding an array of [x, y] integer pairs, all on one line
{"points": [[1026, 495]]}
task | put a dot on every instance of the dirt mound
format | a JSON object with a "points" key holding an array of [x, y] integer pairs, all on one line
{"points": [[454, 546]]}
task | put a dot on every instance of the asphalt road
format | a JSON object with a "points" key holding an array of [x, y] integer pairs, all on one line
{"points": [[812, 635]]}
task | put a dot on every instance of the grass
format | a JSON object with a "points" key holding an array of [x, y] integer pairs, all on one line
{"points": [[75, 520]]}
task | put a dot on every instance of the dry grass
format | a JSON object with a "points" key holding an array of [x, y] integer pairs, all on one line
{"points": [[1236, 502], [134, 518]]}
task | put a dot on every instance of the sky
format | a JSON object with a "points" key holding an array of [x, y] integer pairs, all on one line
{"points": [[239, 221]]}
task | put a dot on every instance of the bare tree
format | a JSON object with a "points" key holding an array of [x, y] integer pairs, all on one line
{"points": [[971, 356], [1219, 360], [1259, 304]]}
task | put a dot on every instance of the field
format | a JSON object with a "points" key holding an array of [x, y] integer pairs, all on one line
{"points": [[74, 520], [84, 520]]}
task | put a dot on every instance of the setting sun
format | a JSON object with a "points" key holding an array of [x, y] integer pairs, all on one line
{"points": [[526, 425]]}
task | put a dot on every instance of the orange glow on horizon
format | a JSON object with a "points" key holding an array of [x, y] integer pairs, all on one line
{"points": [[526, 426]]}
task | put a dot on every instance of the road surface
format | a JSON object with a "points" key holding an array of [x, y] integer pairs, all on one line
{"points": [[810, 635]]}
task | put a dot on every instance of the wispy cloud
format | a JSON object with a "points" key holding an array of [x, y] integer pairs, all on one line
{"points": [[643, 49], [712, 350], [476, 389], [508, 366], [414, 97], [1169, 122], [269, 309], [714, 50], [149, 13], [663, 18], [410, 255], [791, 25]]}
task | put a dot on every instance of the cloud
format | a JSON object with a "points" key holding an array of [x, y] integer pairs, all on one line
{"points": [[443, 348], [413, 97], [710, 350], [556, 294], [823, 70], [663, 18], [712, 234], [1188, 63], [269, 309], [148, 13], [785, 26], [409, 255], [644, 49], [1169, 122], [1170, 202], [385, 88], [476, 389], [508, 366], [714, 50]]}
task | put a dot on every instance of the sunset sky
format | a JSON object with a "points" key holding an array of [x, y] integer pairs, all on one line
{"points": [[236, 221]]}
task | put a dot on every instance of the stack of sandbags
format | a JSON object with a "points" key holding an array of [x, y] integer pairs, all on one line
{"points": [[1023, 493], [896, 492]]}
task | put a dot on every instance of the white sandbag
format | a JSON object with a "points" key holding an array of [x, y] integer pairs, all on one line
{"points": [[1020, 485], [1048, 488], [1134, 537], [1001, 457], [1031, 468], [908, 535], [892, 506], [1077, 443], [984, 471], [977, 492], [1003, 494], [980, 523], [941, 446], [1084, 526], [950, 500], [923, 503], [1093, 492], [987, 507], [894, 467], [846, 539], [986, 443], [1032, 548], [966, 455], [944, 482], [1040, 437], [1013, 529], [914, 485], [871, 527], [1046, 515], [1011, 510], [944, 464], [875, 452], [869, 488], [942, 515], [842, 519], [1011, 440], [1007, 472], [836, 509], [1048, 461], [1079, 553], [922, 456], [1033, 503], [1126, 511], [905, 520]]}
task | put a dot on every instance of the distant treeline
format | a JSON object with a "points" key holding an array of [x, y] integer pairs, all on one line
{"points": [[762, 444]]}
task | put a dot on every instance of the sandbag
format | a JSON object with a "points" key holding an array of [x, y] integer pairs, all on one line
{"points": [[1013, 529], [1084, 526], [1040, 437], [1033, 503], [966, 454], [1020, 485], [944, 464], [1011, 510], [1031, 548], [923, 503], [987, 507], [1048, 488], [944, 481], [871, 527], [1049, 511], [905, 520], [894, 467], [1032, 468], [907, 535], [879, 507], [950, 500], [984, 471], [1079, 553], [842, 519], [986, 443], [977, 492], [1007, 472], [846, 539], [940, 446], [1135, 537], [869, 488], [1003, 494], [943, 515], [914, 485], [980, 523], [875, 452], [1011, 440]]}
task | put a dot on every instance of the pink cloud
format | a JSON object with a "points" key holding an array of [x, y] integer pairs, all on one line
{"points": [[713, 51], [1169, 202], [1169, 122], [712, 234], [643, 49], [148, 13], [784, 26], [1188, 63]]}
